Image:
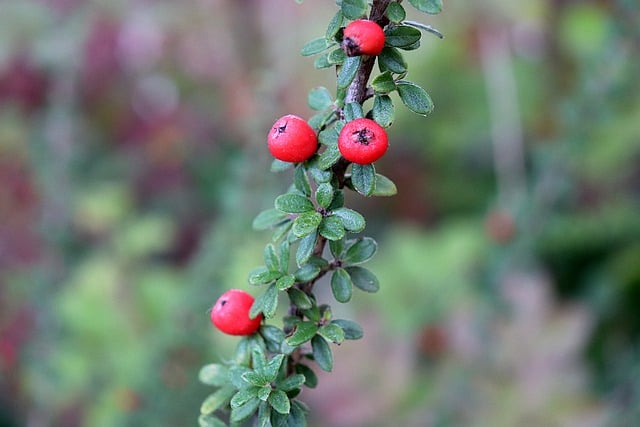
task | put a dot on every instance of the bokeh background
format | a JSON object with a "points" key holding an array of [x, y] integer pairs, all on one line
{"points": [[133, 159]]}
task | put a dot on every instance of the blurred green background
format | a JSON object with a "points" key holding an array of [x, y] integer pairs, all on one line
{"points": [[133, 159]]}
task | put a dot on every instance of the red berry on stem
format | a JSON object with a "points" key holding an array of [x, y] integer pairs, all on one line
{"points": [[363, 37], [230, 313], [291, 139], [362, 141]]}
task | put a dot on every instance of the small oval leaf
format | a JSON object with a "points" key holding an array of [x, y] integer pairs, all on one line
{"points": [[293, 203], [415, 98], [319, 98], [363, 279], [348, 71], [269, 218], [302, 333], [360, 251], [363, 178], [315, 46], [341, 285], [352, 220], [306, 223], [322, 353]]}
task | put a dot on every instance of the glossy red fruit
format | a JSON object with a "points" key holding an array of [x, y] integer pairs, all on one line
{"points": [[362, 141], [230, 313], [291, 139], [363, 37]]}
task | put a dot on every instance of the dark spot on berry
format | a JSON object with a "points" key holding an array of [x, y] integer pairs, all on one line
{"points": [[223, 302], [364, 136], [281, 129], [350, 47]]}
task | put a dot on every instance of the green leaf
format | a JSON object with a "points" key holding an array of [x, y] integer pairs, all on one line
{"points": [[337, 248], [214, 374], [264, 414], [432, 7], [297, 417], [262, 276], [320, 176], [306, 223], [354, 9], [383, 110], [331, 228], [301, 180], [332, 332], [322, 353], [264, 392], [269, 218], [329, 157], [317, 120], [279, 165], [270, 258], [384, 186], [390, 59], [401, 35], [281, 230], [337, 56], [291, 383], [328, 136], [360, 251], [279, 401], [351, 220], [313, 313], [324, 194], [395, 12], [363, 178], [300, 299], [310, 378], [363, 279], [338, 200], [415, 98], [341, 285], [383, 83], [244, 395], [293, 203], [237, 371], [352, 111], [307, 272], [217, 399], [322, 61], [302, 333], [352, 331], [319, 98], [266, 303], [273, 366], [285, 249], [425, 27], [256, 379], [348, 71], [210, 421], [335, 24], [305, 248], [272, 334], [285, 282], [316, 46], [245, 411]]}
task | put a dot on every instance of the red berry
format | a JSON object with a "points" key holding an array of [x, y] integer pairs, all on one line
{"points": [[362, 141], [230, 313], [291, 139], [363, 37]]}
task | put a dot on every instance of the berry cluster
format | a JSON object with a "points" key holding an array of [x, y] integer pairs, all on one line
{"points": [[332, 152]]}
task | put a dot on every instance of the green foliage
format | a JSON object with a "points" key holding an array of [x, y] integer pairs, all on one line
{"points": [[268, 371]]}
